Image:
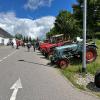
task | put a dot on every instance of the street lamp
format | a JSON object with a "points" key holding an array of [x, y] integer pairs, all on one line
{"points": [[84, 36]]}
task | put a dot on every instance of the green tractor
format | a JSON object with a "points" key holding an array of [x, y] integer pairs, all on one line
{"points": [[63, 54]]}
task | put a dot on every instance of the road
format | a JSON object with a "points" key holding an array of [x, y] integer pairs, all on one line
{"points": [[39, 80]]}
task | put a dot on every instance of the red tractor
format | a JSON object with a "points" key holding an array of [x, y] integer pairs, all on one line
{"points": [[48, 50], [42, 46]]}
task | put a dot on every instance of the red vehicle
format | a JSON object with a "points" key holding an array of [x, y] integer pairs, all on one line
{"points": [[42, 45], [47, 42], [48, 49], [17, 43]]}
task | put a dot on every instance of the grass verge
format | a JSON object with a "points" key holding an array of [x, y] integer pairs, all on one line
{"points": [[75, 68]]}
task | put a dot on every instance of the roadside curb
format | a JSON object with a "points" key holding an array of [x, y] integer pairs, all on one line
{"points": [[73, 86]]}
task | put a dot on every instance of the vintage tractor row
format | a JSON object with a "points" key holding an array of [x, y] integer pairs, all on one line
{"points": [[48, 48], [60, 52], [51, 43], [63, 54], [43, 47]]}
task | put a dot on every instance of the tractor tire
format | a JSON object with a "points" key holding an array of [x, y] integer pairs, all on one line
{"points": [[91, 54], [63, 63], [43, 53], [97, 79], [49, 57], [46, 55]]}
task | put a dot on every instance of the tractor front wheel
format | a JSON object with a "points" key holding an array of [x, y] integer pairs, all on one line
{"points": [[63, 64]]}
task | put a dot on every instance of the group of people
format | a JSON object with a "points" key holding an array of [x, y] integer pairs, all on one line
{"points": [[35, 45]]}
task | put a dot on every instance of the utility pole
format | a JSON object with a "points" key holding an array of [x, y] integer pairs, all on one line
{"points": [[84, 35]]}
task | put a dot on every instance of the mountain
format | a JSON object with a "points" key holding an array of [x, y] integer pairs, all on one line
{"points": [[5, 34]]}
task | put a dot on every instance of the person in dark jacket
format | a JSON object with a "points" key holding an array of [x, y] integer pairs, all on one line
{"points": [[12, 44], [28, 46], [34, 45]]}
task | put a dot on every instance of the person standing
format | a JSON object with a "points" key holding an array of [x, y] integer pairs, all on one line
{"points": [[28, 46], [12, 44], [34, 45], [17, 44]]}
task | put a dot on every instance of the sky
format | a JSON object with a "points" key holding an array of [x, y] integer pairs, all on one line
{"points": [[31, 17]]}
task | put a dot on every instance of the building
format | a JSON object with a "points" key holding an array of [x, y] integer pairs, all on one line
{"points": [[4, 37]]}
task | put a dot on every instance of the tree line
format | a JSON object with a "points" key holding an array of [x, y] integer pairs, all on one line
{"points": [[71, 24], [25, 39]]}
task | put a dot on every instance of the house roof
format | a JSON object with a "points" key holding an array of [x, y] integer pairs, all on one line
{"points": [[4, 34]]}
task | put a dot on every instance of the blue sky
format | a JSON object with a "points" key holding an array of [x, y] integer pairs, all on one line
{"points": [[31, 17], [18, 6]]}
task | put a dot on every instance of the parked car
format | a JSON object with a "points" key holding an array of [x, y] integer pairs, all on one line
{"points": [[63, 54]]}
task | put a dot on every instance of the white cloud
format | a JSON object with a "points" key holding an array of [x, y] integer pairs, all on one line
{"points": [[35, 4], [33, 28]]}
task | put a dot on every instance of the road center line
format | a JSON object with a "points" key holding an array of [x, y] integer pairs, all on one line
{"points": [[7, 56]]}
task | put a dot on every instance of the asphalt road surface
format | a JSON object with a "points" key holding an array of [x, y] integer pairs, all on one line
{"points": [[39, 80]]}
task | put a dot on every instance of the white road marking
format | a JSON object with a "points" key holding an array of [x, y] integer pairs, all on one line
{"points": [[0, 60], [7, 56], [16, 86]]}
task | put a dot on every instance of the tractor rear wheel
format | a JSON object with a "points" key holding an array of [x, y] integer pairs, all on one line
{"points": [[91, 54], [43, 52], [63, 63]]}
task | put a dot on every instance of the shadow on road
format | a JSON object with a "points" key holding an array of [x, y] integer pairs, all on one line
{"points": [[29, 51], [91, 86], [42, 57], [48, 64], [39, 54]]}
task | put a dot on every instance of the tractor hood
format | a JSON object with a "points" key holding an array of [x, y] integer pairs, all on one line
{"points": [[71, 46]]}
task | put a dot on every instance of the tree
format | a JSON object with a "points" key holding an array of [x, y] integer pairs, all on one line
{"points": [[19, 36], [26, 39], [93, 15], [52, 32], [30, 40], [33, 40], [66, 24]]}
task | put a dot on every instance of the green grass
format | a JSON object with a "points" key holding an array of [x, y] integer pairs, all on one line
{"points": [[93, 67], [70, 73]]}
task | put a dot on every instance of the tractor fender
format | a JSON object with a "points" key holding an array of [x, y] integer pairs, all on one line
{"points": [[94, 46]]}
